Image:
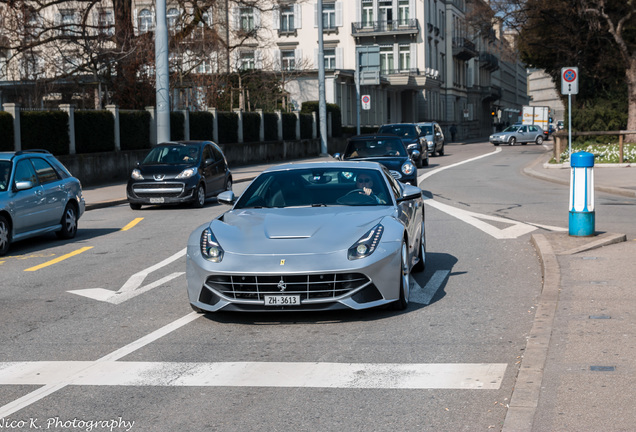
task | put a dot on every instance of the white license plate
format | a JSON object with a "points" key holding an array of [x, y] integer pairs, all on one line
{"points": [[156, 200], [282, 300]]}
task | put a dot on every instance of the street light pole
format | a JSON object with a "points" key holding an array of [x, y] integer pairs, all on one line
{"points": [[322, 104], [162, 86]]}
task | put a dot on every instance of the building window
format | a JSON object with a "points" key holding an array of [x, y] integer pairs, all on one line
{"points": [[106, 22], [145, 21], [403, 11], [405, 58], [246, 19], [68, 22], [287, 18], [329, 16], [171, 17], [386, 59], [367, 13], [386, 11], [247, 61], [288, 60], [330, 59]]}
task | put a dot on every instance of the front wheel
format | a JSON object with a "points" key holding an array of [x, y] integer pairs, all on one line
{"points": [[5, 235], [539, 140], [199, 196], [441, 151], [405, 287], [512, 141], [135, 206], [69, 223], [420, 265]]}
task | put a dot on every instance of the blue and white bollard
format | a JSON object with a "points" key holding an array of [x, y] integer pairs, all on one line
{"points": [[582, 194]]}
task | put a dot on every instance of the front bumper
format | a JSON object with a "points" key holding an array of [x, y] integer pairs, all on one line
{"points": [[160, 192], [321, 281]]}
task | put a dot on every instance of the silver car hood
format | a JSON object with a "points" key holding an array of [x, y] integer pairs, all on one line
{"points": [[307, 230]]}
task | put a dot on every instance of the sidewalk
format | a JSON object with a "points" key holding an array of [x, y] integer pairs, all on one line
{"points": [[578, 371]]}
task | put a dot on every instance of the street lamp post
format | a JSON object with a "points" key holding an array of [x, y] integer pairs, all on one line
{"points": [[162, 85], [322, 104]]}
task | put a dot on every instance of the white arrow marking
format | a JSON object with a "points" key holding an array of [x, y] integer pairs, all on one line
{"points": [[425, 295], [132, 287]]}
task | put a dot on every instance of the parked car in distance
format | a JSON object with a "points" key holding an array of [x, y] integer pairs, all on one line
{"points": [[37, 196], [386, 149], [518, 134], [412, 137], [560, 125], [434, 137], [179, 172], [315, 236]]}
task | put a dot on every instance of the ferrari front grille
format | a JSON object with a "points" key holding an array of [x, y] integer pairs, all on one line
{"points": [[309, 287]]}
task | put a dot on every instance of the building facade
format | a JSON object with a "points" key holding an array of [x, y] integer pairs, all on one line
{"points": [[419, 60]]}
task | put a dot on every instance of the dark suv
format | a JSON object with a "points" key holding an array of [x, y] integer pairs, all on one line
{"points": [[37, 196], [179, 172], [413, 137]]}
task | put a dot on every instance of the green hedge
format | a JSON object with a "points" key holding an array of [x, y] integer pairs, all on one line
{"points": [[228, 125], [177, 126], [336, 116], [289, 126], [271, 126], [134, 127], [94, 131], [306, 128], [251, 127], [6, 132], [46, 130], [201, 125]]}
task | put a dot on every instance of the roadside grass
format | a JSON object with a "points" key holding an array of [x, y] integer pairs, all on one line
{"points": [[603, 153]]}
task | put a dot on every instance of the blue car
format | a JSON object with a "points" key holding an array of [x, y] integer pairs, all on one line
{"points": [[413, 137]]}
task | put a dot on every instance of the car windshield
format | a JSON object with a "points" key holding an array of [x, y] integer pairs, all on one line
{"points": [[172, 155], [512, 128], [374, 147], [316, 187], [5, 172], [427, 129], [401, 131]]}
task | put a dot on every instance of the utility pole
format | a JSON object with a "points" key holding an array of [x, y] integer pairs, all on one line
{"points": [[162, 85], [322, 104]]}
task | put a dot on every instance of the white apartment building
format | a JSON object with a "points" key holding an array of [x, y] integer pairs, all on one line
{"points": [[424, 62]]}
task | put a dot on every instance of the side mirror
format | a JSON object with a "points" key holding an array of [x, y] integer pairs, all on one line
{"points": [[416, 154], [227, 198], [337, 156], [23, 185], [410, 192]]}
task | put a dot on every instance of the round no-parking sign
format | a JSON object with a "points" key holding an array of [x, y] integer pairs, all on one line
{"points": [[366, 102], [570, 80]]}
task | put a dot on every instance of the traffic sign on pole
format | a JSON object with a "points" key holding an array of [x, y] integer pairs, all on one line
{"points": [[366, 102], [569, 80]]}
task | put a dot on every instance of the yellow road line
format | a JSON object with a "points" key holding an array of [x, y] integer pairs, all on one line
{"points": [[58, 259], [132, 224]]}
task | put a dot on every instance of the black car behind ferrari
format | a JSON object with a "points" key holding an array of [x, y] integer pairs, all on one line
{"points": [[179, 172]]}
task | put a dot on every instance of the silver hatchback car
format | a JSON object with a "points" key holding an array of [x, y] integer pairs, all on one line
{"points": [[518, 134], [37, 196]]}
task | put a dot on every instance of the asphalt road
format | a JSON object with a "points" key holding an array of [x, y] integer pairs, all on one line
{"points": [[104, 331]]}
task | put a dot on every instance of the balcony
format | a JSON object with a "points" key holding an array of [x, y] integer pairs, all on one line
{"points": [[408, 27], [488, 61], [463, 48]]}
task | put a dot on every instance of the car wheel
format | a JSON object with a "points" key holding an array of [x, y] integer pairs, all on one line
{"points": [[495, 144], [425, 161], [405, 287], [199, 196], [441, 151], [420, 266], [539, 140], [5, 235], [135, 206], [69, 223], [228, 184], [512, 141]]}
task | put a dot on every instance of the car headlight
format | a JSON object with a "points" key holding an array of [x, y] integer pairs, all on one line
{"points": [[186, 173], [367, 243], [408, 168], [429, 143], [210, 247], [136, 175]]}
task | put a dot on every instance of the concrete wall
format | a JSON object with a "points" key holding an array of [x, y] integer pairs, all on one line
{"points": [[103, 168]]}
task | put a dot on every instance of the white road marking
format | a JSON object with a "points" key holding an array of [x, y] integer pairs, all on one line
{"points": [[132, 287], [467, 376], [425, 295], [435, 171], [516, 229], [66, 375]]}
